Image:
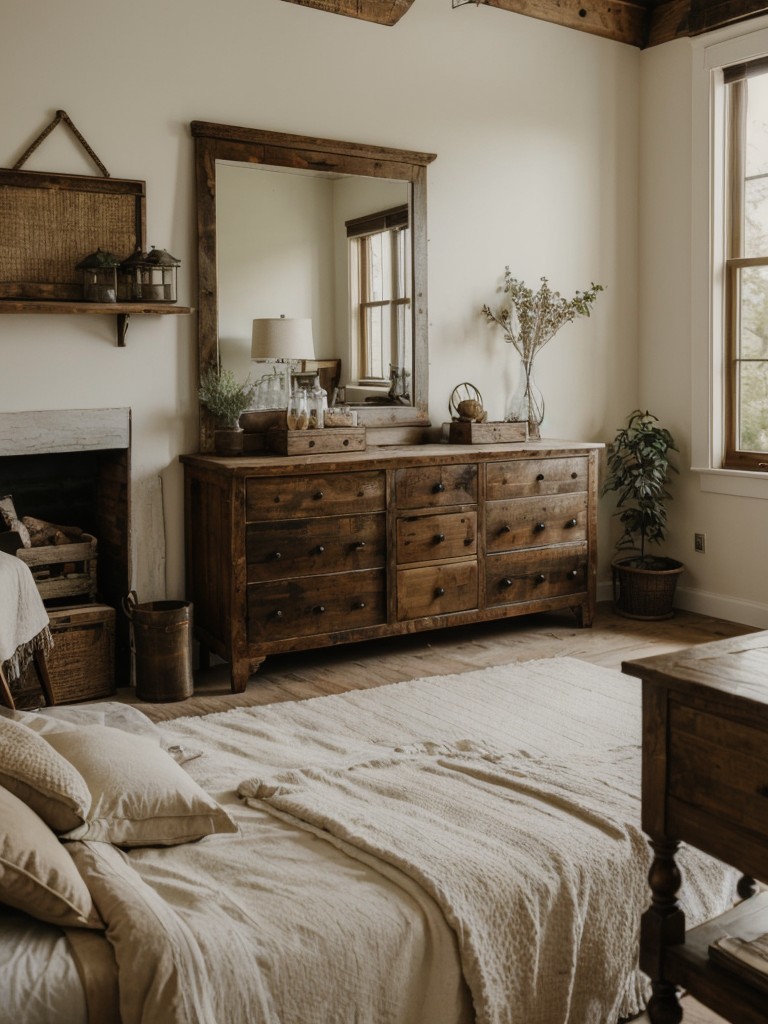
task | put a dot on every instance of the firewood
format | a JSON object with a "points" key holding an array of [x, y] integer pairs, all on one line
{"points": [[42, 532]]}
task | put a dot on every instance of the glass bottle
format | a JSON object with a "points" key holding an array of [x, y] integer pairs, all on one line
{"points": [[318, 405]]}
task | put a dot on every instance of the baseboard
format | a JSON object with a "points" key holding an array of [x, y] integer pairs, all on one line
{"points": [[719, 606]]}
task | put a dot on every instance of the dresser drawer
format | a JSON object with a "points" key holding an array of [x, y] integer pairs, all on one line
{"points": [[316, 604], [292, 497], [718, 769], [435, 486], [436, 590], [441, 536], [535, 522], [313, 547], [533, 575], [528, 477]]}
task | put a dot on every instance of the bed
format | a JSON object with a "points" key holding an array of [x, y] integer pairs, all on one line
{"points": [[439, 851]]}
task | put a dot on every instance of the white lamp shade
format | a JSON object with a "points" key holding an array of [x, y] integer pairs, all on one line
{"points": [[282, 338]]}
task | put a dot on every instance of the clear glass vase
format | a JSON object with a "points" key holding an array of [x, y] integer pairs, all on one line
{"points": [[527, 402]]}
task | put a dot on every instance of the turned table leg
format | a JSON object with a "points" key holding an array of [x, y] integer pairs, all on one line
{"points": [[663, 924]]}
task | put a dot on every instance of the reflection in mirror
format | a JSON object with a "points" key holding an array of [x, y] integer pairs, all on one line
{"points": [[329, 248], [313, 228]]}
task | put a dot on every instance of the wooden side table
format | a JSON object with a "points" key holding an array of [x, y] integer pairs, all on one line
{"points": [[705, 783]]}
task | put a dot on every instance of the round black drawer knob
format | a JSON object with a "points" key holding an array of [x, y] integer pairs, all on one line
{"points": [[506, 528], [539, 476], [570, 524], [438, 488], [278, 614], [506, 582], [359, 604], [439, 591], [539, 578], [539, 527], [439, 538], [319, 495], [277, 555], [573, 573], [360, 544], [319, 549], [319, 609]]}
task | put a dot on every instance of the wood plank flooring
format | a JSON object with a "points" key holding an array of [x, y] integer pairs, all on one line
{"points": [[611, 640]]}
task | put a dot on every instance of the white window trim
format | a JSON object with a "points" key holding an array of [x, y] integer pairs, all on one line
{"points": [[710, 55]]}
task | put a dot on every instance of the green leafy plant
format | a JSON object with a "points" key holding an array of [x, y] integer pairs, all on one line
{"points": [[639, 468], [223, 395]]}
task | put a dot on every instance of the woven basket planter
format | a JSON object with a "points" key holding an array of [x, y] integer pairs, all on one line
{"points": [[645, 593]]}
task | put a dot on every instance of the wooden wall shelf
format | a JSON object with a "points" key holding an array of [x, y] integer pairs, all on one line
{"points": [[122, 310]]}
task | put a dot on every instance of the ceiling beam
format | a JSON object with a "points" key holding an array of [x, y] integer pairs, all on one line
{"points": [[622, 20], [383, 12]]}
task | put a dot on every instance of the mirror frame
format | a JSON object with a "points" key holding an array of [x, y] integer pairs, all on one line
{"points": [[274, 149]]}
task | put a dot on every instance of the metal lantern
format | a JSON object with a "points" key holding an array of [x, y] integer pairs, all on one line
{"points": [[99, 276], [162, 269], [132, 277]]}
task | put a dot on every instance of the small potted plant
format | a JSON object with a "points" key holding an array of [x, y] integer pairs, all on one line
{"points": [[227, 399], [639, 469]]}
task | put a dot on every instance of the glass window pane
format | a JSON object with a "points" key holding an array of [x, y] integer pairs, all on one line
{"points": [[756, 168], [753, 407], [752, 338]]}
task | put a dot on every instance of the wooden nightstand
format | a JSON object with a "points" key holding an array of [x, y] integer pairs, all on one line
{"points": [[705, 783]]}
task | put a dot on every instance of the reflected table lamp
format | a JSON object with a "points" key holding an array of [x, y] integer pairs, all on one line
{"points": [[282, 341]]}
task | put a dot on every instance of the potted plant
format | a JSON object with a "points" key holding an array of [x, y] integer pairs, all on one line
{"points": [[227, 399], [639, 469]]}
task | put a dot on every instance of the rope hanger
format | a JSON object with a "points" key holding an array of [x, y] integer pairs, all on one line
{"points": [[61, 115]]}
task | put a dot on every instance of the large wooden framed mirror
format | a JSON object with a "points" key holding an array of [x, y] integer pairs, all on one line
{"points": [[278, 216]]}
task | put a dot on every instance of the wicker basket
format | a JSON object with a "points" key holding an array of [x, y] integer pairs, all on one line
{"points": [[63, 570], [82, 662], [645, 593]]}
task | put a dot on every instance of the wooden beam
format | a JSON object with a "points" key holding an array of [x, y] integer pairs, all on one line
{"points": [[707, 15], [383, 12], [622, 20], [669, 20]]}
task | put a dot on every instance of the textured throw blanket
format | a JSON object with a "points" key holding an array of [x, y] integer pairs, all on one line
{"points": [[23, 618], [443, 851]]}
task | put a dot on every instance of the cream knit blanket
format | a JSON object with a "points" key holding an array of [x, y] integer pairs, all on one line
{"points": [[23, 618]]}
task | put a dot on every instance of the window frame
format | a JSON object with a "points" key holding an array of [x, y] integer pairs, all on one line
{"points": [[359, 232], [734, 79]]}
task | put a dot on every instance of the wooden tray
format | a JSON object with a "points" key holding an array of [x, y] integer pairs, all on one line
{"points": [[308, 442], [462, 432]]}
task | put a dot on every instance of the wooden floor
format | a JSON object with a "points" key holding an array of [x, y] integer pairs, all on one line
{"points": [[611, 640]]}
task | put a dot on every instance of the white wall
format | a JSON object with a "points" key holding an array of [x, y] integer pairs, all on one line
{"points": [[535, 128], [729, 579]]}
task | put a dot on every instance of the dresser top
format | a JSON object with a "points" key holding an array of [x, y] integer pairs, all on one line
{"points": [[389, 456]]}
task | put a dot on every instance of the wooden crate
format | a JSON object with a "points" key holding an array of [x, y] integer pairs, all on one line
{"points": [[82, 662], [502, 432], [308, 442], [63, 570]]}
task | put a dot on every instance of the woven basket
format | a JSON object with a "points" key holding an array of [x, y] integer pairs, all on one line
{"points": [[645, 593], [81, 664]]}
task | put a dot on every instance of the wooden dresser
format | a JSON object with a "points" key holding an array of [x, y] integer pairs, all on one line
{"points": [[705, 783], [291, 553]]}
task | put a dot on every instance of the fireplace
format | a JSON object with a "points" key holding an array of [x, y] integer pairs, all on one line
{"points": [[72, 466]]}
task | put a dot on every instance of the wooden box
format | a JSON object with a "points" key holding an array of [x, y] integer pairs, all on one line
{"points": [[503, 432], [308, 442], [82, 662], [63, 570]]}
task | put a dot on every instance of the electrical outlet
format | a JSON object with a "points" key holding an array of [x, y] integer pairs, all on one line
{"points": [[699, 542]]}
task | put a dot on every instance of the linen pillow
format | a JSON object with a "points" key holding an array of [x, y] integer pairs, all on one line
{"points": [[32, 770], [37, 874], [139, 795]]}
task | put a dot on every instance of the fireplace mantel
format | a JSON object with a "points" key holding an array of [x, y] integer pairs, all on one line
{"points": [[64, 430]]}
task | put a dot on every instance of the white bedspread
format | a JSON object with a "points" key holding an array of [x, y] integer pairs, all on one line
{"points": [[486, 823]]}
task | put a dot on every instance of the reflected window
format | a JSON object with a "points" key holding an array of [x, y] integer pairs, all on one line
{"points": [[746, 267], [380, 274]]}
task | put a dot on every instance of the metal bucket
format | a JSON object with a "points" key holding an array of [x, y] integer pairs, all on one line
{"points": [[161, 645]]}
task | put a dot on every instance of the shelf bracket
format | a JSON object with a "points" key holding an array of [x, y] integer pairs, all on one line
{"points": [[122, 328]]}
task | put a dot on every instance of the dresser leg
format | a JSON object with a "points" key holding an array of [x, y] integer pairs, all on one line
{"points": [[240, 672]]}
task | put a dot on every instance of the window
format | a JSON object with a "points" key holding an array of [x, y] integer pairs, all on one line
{"points": [[379, 283], [746, 267]]}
